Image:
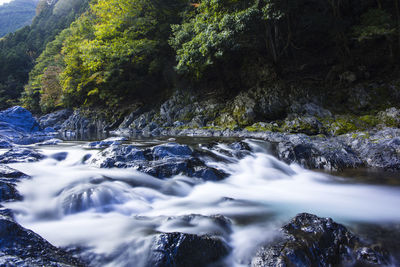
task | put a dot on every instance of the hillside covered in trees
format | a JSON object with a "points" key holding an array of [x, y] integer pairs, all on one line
{"points": [[120, 51], [16, 14], [19, 50]]}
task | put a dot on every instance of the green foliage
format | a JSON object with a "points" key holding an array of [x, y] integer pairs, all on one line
{"points": [[374, 23], [218, 28], [118, 50]]}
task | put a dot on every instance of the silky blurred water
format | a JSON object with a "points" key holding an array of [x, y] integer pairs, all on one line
{"points": [[114, 213]]}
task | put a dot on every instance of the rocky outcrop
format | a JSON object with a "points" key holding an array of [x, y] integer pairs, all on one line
{"points": [[17, 126], [79, 124], [19, 119], [308, 240], [53, 121], [161, 161]]}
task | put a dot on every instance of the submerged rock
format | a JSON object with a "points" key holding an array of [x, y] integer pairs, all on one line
{"points": [[308, 240], [178, 249]]}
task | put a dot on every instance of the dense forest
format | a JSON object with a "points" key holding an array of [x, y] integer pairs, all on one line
{"points": [[19, 50], [118, 51], [16, 14]]}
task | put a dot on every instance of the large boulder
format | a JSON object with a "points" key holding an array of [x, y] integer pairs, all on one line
{"points": [[178, 249], [308, 240], [19, 119]]}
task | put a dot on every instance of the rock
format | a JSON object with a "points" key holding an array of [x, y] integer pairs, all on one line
{"points": [[171, 150], [162, 161], [54, 120], [309, 109], [178, 249], [118, 156], [318, 153], [308, 240], [103, 144], [17, 155], [379, 149], [142, 121], [22, 247], [131, 117], [19, 119], [83, 125], [390, 117], [51, 142], [10, 173], [309, 125], [8, 192]]}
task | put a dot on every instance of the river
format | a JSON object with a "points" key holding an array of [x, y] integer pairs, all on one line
{"points": [[112, 214]]}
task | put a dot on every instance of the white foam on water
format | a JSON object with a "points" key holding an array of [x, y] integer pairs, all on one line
{"points": [[116, 212]]}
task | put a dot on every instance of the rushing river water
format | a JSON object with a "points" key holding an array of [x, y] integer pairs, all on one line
{"points": [[114, 213]]}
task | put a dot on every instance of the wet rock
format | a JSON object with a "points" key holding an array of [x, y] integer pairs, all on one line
{"points": [[8, 192], [236, 150], [308, 240], [22, 247], [103, 144], [51, 142], [178, 249], [171, 150], [118, 156], [17, 155], [379, 149], [19, 119], [10, 173], [318, 153], [217, 225], [54, 120], [162, 161]]}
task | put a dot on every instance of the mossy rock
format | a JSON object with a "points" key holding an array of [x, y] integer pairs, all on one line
{"points": [[309, 125]]}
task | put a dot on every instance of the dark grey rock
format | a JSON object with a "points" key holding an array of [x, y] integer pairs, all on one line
{"points": [[317, 153], [308, 240], [16, 155], [54, 120], [379, 149], [309, 109], [22, 247], [161, 161], [8, 192], [178, 249]]}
